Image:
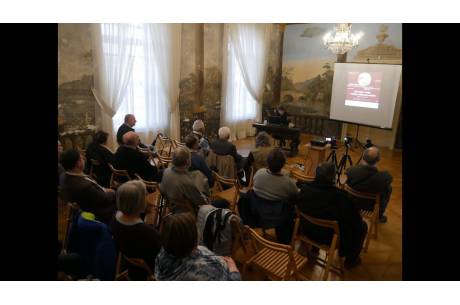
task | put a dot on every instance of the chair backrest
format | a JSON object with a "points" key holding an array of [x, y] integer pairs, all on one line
{"points": [[165, 145], [301, 176], [137, 262], [220, 182], [117, 173], [94, 163], [322, 223], [369, 196], [259, 243], [225, 164], [177, 144], [72, 208], [163, 161], [150, 185]]}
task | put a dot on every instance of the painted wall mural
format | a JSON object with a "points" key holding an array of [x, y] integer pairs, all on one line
{"points": [[308, 67]]}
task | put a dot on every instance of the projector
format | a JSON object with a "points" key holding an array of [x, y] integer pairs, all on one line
{"points": [[321, 142]]}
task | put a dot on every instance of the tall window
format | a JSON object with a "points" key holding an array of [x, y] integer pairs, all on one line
{"points": [[143, 96], [244, 106], [246, 56]]}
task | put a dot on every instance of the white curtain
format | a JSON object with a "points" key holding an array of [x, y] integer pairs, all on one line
{"points": [[165, 46], [246, 48], [151, 86], [113, 55]]}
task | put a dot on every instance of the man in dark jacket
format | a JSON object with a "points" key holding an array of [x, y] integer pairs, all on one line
{"points": [[87, 193], [130, 121], [322, 199], [367, 178], [98, 151], [223, 147], [129, 158]]}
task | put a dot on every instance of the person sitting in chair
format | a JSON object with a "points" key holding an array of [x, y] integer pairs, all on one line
{"points": [[129, 158], [130, 121], [365, 177], [133, 237], [182, 259], [198, 131], [81, 189], [100, 152], [322, 199]]}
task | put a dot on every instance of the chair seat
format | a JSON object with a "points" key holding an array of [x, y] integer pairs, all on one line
{"points": [[227, 195], [277, 262]]}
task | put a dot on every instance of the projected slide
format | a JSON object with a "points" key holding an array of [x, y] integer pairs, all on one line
{"points": [[365, 94], [363, 89]]}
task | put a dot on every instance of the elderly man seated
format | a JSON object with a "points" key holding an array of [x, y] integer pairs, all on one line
{"points": [[365, 177], [223, 147], [87, 193], [129, 122], [129, 158], [180, 188]]}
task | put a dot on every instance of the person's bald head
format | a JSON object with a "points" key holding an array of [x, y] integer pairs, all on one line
{"points": [[131, 138], [371, 155]]}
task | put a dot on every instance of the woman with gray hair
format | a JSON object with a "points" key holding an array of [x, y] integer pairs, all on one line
{"points": [[133, 237], [198, 132]]}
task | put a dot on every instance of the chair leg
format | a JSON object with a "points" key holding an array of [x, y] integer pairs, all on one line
{"points": [[328, 265], [366, 243], [375, 229]]}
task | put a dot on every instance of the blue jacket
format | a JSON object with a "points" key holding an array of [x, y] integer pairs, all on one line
{"points": [[93, 241]]}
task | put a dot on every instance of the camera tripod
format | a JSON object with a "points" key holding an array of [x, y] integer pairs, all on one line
{"points": [[333, 156], [343, 162]]}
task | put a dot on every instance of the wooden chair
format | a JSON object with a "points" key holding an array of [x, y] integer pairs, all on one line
{"points": [[152, 200], [138, 262], [177, 144], [299, 176], [330, 249], [94, 163], [165, 145], [230, 195], [117, 173], [277, 261], [163, 161], [371, 216], [72, 208]]}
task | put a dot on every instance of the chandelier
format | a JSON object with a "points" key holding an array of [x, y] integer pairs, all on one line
{"points": [[341, 40]]}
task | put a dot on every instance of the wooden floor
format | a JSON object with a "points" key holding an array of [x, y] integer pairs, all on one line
{"points": [[383, 261]]}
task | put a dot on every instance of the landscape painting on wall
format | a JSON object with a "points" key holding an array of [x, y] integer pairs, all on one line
{"points": [[307, 70], [308, 66]]}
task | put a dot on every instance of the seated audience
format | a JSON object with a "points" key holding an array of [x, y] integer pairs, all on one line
{"points": [[181, 258], [365, 177], [129, 158], [223, 147], [197, 160], [87, 193], [270, 201], [100, 152], [133, 237], [258, 156], [270, 183], [178, 185], [198, 131], [322, 199], [130, 121]]}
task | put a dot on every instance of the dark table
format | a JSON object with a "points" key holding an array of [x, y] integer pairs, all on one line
{"points": [[282, 132]]}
